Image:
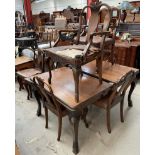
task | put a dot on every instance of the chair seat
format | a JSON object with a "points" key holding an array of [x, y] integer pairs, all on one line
{"points": [[70, 53], [28, 72], [22, 59]]}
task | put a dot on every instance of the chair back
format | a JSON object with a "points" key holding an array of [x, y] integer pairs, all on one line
{"points": [[94, 18], [116, 14], [119, 88], [39, 60], [46, 93], [46, 37]]}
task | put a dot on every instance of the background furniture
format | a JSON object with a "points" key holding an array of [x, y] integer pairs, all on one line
{"points": [[127, 54], [23, 62], [38, 67], [131, 16], [76, 13], [132, 28], [25, 42]]}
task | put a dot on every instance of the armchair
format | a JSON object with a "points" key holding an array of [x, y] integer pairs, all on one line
{"points": [[105, 25], [77, 55]]}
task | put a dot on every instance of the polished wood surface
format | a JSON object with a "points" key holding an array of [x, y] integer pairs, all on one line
{"points": [[126, 53], [111, 73], [23, 62], [63, 86], [22, 59], [38, 67]]}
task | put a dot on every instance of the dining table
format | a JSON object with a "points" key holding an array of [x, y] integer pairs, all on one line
{"points": [[113, 73], [62, 84]]}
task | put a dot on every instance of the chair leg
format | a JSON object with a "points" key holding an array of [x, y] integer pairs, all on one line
{"points": [[27, 89], [70, 120], [46, 117], [20, 83], [121, 110], [59, 127], [85, 111], [108, 120], [30, 91], [76, 73]]}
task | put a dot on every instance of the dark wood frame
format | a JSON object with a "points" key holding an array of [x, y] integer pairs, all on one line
{"points": [[79, 60]]}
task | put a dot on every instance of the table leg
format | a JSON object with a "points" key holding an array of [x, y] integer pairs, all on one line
{"points": [[20, 49], [37, 96], [130, 93], [75, 118], [76, 74]]}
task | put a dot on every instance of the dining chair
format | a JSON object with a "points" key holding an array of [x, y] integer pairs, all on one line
{"points": [[115, 96], [50, 103], [23, 61], [37, 68]]}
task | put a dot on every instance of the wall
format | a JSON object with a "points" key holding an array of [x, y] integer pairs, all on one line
{"points": [[19, 5], [49, 6]]}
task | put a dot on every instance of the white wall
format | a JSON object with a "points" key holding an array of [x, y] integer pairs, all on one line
{"points": [[49, 6], [19, 5], [115, 2]]}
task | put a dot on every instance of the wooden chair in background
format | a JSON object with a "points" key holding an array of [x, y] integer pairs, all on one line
{"points": [[38, 67]]}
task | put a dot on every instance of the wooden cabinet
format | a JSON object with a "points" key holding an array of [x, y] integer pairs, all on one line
{"points": [[127, 53]]}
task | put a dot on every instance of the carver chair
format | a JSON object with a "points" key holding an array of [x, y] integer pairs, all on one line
{"points": [[104, 25], [77, 55], [115, 96], [37, 68]]}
